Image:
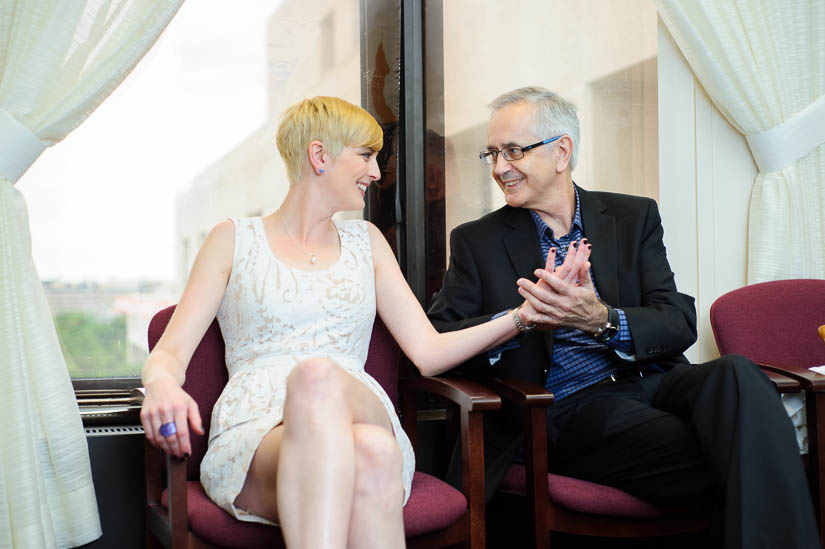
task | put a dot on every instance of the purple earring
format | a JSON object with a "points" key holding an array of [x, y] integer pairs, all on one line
{"points": [[321, 171]]}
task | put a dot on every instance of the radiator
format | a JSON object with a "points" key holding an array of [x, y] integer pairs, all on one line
{"points": [[116, 453]]}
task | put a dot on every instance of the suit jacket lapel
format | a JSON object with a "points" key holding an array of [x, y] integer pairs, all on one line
{"points": [[600, 229], [522, 243]]}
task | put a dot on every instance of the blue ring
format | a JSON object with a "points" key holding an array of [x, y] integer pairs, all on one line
{"points": [[168, 429]]}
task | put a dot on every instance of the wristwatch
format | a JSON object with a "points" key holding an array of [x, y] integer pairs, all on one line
{"points": [[522, 327], [611, 327]]}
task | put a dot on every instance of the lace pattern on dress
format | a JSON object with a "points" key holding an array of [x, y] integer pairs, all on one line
{"points": [[272, 316]]}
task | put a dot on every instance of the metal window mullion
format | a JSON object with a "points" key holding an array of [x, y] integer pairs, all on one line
{"points": [[413, 122]]}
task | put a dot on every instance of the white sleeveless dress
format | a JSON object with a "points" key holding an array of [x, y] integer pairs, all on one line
{"points": [[273, 316]]}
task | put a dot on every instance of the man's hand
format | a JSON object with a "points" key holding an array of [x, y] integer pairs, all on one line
{"points": [[563, 297]]}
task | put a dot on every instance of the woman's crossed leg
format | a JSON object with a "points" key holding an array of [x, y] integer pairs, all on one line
{"points": [[331, 473]]}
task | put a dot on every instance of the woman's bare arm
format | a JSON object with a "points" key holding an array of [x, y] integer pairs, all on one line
{"points": [[430, 351], [165, 369]]}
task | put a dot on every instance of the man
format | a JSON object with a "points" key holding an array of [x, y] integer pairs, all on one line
{"points": [[606, 336]]}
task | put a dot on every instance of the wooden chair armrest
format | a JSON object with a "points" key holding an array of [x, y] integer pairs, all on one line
{"points": [[811, 381], [464, 392], [176, 493], [473, 400], [533, 400], [152, 457], [171, 524], [782, 382], [521, 393]]}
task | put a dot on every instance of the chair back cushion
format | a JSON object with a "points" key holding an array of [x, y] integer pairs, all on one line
{"points": [[382, 359], [772, 322], [206, 374]]}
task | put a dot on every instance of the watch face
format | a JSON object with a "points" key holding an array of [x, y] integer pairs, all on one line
{"points": [[611, 328], [608, 333]]}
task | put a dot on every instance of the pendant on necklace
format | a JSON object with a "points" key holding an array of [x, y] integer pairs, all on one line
{"points": [[313, 259]]}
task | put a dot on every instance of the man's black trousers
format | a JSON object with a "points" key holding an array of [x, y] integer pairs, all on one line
{"points": [[708, 436]]}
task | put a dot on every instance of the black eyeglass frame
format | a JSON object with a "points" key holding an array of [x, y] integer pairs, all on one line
{"points": [[490, 156]]}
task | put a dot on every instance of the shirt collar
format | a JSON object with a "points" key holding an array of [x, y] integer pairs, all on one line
{"points": [[542, 228]]}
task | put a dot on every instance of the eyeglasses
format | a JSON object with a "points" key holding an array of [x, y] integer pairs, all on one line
{"points": [[490, 156]]}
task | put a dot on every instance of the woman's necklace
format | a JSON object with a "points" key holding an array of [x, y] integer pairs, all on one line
{"points": [[311, 255]]}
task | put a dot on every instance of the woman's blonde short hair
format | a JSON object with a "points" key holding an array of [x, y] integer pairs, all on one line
{"points": [[332, 121]]}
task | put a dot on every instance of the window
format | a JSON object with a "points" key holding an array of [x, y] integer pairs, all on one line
{"points": [[119, 210]]}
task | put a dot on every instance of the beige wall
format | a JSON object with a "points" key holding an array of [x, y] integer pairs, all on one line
{"points": [[314, 49], [600, 54], [706, 176]]}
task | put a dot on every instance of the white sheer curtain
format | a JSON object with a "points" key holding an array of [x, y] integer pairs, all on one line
{"points": [[58, 62], [763, 65]]}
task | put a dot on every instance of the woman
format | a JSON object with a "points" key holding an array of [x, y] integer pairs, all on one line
{"points": [[301, 435]]}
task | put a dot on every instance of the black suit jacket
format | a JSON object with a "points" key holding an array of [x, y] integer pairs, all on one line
{"points": [[630, 271]]}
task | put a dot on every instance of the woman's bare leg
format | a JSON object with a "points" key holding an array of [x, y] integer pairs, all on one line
{"points": [[315, 473], [376, 519], [259, 489], [314, 459]]}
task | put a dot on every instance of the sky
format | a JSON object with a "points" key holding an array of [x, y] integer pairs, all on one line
{"points": [[101, 202]]}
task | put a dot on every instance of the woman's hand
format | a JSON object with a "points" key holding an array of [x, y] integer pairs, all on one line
{"points": [[167, 405], [575, 268]]}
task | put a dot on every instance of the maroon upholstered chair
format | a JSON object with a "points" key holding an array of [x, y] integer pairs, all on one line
{"points": [[563, 504], [180, 515], [775, 325]]}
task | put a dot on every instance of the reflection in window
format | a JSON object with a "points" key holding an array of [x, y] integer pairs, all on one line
{"points": [[601, 55]]}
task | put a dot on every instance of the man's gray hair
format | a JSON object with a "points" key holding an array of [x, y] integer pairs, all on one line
{"points": [[554, 114]]}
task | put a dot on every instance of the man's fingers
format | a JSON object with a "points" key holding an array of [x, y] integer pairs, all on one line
{"points": [[537, 304], [544, 302], [552, 283], [531, 314], [540, 291]]}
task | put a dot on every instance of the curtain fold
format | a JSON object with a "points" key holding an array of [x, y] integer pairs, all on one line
{"points": [[762, 63], [58, 62]]}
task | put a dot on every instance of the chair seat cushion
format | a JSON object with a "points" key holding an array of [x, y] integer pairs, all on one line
{"points": [[584, 496], [214, 525], [433, 505]]}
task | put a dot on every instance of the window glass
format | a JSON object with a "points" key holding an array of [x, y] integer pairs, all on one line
{"points": [[119, 210], [599, 54]]}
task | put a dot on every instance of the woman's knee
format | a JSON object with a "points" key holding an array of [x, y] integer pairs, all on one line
{"points": [[378, 461], [315, 393], [315, 379]]}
